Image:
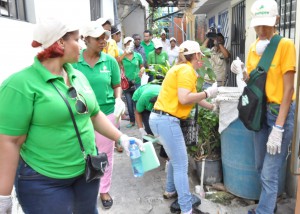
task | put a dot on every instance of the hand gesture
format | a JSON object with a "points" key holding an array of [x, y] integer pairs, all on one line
{"points": [[274, 141], [5, 204], [124, 141]]}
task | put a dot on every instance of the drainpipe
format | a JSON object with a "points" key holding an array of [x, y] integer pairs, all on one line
{"points": [[182, 29], [116, 16]]}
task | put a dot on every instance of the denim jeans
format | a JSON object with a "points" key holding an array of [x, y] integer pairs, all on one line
{"points": [[40, 194], [268, 166], [145, 119], [167, 129], [130, 104]]}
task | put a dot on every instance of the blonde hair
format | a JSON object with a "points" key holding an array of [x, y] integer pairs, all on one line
{"points": [[184, 58]]}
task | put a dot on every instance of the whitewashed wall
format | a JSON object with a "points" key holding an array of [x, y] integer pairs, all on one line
{"points": [[16, 36], [15, 46]]}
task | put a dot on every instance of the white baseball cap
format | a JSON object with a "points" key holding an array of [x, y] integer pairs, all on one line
{"points": [[190, 47], [49, 30], [102, 20], [157, 44], [127, 39], [173, 39], [93, 29], [163, 32], [264, 12]]}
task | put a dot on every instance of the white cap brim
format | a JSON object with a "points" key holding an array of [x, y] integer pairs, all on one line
{"points": [[263, 21], [127, 39]]}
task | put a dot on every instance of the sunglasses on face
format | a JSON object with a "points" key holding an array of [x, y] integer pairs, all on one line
{"points": [[80, 105]]}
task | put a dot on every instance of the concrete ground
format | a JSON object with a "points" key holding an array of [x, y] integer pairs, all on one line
{"points": [[144, 195]]}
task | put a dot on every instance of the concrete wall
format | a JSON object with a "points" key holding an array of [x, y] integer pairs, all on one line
{"points": [[75, 10], [16, 51], [134, 22], [107, 9], [15, 40]]}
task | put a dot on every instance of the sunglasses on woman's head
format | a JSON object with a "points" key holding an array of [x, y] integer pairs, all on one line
{"points": [[80, 105]]}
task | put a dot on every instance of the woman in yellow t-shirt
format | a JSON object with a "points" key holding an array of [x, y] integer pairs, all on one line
{"points": [[175, 101]]}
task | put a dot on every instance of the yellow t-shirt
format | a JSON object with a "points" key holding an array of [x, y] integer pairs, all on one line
{"points": [[284, 60], [179, 76], [112, 48]]}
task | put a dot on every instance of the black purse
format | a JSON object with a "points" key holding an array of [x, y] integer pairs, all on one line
{"points": [[95, 165], [190, 129]]}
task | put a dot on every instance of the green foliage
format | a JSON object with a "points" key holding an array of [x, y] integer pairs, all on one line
{"points": [[205, 69], [209, 138]]}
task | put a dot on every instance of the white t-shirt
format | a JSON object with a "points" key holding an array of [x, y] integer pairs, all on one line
{"points": [[166, 44], [173, 54]]}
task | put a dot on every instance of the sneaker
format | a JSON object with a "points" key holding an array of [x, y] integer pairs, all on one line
{"points": [[169, 195], [175, 208], [196, 211]]}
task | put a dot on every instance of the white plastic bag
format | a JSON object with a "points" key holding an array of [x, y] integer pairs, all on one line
{"points": [[144, 79]]}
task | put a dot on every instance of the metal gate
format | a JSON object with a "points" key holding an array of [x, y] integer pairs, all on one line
{"points": [[237, 38], [287, 12], [224, 26]]}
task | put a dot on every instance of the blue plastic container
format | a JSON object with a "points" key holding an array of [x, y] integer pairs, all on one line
{"points": [[239, 173]]}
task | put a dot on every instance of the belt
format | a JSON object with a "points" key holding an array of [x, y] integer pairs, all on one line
{"points": [[162, 112]]}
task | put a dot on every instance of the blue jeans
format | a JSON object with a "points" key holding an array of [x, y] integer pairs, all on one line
{"points": [[130, 104], [268, 166], [40, 194], [167, 129]]}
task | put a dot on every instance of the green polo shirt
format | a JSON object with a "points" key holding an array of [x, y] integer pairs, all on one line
{"points": [[143, 95], [148, 48], [132, 67], [154, 58], [103, 77], [30, 105]]}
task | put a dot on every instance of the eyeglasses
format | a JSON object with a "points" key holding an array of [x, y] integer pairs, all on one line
{"points": [[80, 104]]}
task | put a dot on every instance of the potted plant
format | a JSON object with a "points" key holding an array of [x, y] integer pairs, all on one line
{"points": [[208, 149]]}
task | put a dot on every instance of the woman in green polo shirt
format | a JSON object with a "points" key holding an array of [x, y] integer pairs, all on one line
{"points": [[103, 73], [36, 125], [132, 63]]}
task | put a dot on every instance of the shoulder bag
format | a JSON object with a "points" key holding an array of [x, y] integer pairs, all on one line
{"points": [[124, 81], [190, 129], [252, 103], [95, 165]]}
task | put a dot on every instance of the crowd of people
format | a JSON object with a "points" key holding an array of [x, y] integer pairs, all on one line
{"points": [[39, 153]]}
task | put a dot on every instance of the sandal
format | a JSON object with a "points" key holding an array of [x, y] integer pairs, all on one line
{"points": [[107, 203], [130, 125]]}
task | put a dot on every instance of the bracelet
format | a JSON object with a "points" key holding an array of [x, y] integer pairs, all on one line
{"points": [[205, 94]]}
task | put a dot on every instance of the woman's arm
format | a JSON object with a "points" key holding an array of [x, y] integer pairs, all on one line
{"points": [[186, 97], [117, 92], [206, 104], [9, 158], [288, 91], [105, 127]]}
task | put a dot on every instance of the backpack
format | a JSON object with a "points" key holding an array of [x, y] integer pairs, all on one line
{"points": [[252, 102]]}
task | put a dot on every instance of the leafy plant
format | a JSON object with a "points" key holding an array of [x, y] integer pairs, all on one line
{"points": [[206, 68], [209, 138]]}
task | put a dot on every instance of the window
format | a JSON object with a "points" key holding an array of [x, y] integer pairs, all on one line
{"points": [[287, 12], [95, 9], [14, 9]]}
